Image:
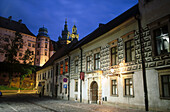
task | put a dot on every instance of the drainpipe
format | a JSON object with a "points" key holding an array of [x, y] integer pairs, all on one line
{"points": [[81, 71], [143, 64], [69, 79], [53, 82]]}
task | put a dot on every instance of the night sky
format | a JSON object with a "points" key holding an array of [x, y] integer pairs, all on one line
{"points": [[86, 14]]}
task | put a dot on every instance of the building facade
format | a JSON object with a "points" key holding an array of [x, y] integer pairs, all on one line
{"points": [[123, 62]]}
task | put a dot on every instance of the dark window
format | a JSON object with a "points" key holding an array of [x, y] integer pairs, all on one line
{"points": [[88, 66], [114, 87], [32, 52], [56, 69], [61, 68], [46, 40], [51, 73], [128, 87], [114, 57], [76, 85], [45, 53], [6, 55], [48, 74], [21, 46], [29, 44], [96, 61], [45, 45], [6, 39], [165, 85], [61, 88], [161, 40], [38, 45], [20, 54], [33, 45], [76, 66], [66, 66], [38, 52], [129, 51]]}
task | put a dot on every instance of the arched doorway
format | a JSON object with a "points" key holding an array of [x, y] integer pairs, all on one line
{"points": [[94, 92]]}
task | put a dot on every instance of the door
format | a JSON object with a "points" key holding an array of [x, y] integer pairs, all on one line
{"points": [[94, 91]]}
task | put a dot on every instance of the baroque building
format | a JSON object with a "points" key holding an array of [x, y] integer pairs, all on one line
{"points": [[125, 62]]}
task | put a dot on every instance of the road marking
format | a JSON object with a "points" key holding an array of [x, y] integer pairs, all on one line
{"points": [[13, 108]]}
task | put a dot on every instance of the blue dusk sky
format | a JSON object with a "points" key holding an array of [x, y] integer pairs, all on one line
{"points": [[86, 14]]}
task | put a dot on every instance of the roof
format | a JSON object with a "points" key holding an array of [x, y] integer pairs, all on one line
{"points": [[104, 28], [15, 26]]}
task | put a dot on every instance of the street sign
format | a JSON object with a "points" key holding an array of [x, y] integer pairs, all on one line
{"points": [[65, 80], [65, 86]]}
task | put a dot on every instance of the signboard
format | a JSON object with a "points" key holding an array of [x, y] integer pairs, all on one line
{"points": [[65, 80], [82, 76], [65, 86]]}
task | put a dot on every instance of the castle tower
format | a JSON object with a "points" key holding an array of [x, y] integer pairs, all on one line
{"points": [[42, 47], [74, 36]]}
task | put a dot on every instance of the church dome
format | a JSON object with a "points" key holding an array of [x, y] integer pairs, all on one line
{"points": [[43, 32]]}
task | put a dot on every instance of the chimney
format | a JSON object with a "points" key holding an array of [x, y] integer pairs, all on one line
{"points": [[10, 17], [20, 20], [101, 24]]}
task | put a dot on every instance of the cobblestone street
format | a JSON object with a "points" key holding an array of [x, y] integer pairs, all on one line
{"points": [[32, 103]]}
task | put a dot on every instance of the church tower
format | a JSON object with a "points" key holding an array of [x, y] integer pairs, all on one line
{"points": [[74, 36], [65, 35], [42, 47]]}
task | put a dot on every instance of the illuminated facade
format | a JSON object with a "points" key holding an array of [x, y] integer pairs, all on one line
{"points": [[111, 61]]}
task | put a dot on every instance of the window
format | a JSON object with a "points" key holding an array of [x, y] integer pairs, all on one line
{"points": [[47, 87], [129, 51], [20, 54], [114, 87], [45, 45], [37, 60], [46, 40], [21, 46], [66, 66], [29, 44], [60, 88], [88, 65], [38, 52], [6, 55], [51, 73], [32, 52], [57, 69], [128, 87], [165, 79], [61, 68], [6, 39], [45, 53], [48, 74], [114, 57], [76, 66], [38, 45], [162, 43], [96, 61], [76, 85], [33, 45]]}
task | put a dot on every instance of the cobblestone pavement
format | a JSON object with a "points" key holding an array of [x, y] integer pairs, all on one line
{"points": [[32, 103]]}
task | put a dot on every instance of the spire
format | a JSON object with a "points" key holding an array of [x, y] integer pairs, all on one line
{"points": [[66, 26]]}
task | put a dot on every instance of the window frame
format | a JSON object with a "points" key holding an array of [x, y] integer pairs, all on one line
{"points": [[76, 85], [114, 53], [111, 86], [88, 63], [162, 73], [76, 66], [129, 48], [98, 60]]}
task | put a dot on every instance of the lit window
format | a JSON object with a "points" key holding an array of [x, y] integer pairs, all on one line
{"points": [[66, 66], [114, 87], [76, 66], [130, 52], [88, 66], [128, 87], [96, 61], [76, 85], [61, 68], [114, 57], [161, 40]]}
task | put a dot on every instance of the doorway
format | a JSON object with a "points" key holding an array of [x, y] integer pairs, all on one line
{"points": [[94, 92]]}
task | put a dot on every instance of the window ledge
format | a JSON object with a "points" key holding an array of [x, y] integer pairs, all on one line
{"points": [[114, 95], [165, 98], [129, 96]]}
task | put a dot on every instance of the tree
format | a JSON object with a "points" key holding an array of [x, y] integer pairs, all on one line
{"points": [[13, 47], [27, 58]]}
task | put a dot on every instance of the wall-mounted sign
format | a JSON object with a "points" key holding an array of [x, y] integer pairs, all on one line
{"points": [[65, 80], [65, 86], [82, 76]]}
